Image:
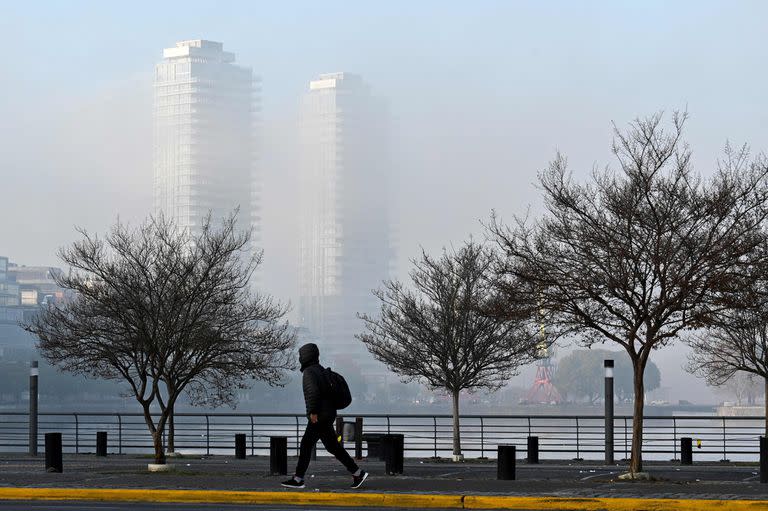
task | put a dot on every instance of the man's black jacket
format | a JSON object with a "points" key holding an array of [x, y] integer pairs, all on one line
{"points": [[315, 387]]}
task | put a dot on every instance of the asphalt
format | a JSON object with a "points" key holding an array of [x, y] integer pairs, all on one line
{"points": [[557, 479]]}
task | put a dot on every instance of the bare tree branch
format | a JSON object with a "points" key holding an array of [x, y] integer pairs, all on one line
{"points": [[167, 312], [639, 255]]}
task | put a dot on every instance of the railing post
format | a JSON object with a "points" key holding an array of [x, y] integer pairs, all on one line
{"points": [[578, 452], [119, 434], [674, 438], [298, 450], [725, 455], [388, 432], [626, 451], [77, 434], [207, 435], [434, 421], [529, 425], [358, 438], [253, 445], [482, 439]]}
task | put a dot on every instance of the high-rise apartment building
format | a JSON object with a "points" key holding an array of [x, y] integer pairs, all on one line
{"points": [[204, 150], [345, 247]]}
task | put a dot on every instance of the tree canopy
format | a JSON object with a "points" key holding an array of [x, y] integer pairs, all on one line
{"points": [[581, 374], [640, 254], [166, 312], [441, 332]]}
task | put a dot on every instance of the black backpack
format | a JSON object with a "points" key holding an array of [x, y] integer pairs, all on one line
{"points": [[338, 390]]}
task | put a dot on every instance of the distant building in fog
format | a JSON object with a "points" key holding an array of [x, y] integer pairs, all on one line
{"points": [[28, 286], [345, 247], [204, 150], [23, 289]]}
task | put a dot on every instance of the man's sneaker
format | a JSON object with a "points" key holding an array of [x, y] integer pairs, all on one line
{"points": [[357, 481], [293, 483]]}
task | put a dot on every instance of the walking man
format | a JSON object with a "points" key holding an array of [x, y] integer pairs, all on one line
{"points": [[321, 413]]}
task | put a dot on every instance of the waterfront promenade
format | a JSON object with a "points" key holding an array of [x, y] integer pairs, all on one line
{"points": [[219, 480]]}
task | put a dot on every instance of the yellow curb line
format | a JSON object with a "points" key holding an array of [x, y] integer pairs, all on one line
{"points": [[379, 500]]}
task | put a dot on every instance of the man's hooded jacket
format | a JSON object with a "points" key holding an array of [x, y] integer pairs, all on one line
{"points": [[315, 387]]}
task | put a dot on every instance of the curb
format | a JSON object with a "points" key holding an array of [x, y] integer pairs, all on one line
{"points": [[381, 500]]}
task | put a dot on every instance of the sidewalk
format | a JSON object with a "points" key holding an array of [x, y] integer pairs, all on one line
{"points": [[446, 483]]}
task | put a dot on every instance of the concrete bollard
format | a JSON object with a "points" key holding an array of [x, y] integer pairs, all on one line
{"points": [[278, 455], [533, 449], [393, 446], [240, 446], [763, 459], [686, 450], [101, 443], [505, 462], [358, 438], [53, 456]]}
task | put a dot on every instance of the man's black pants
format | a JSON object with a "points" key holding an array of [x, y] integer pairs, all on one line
{"points": [[323, 431]]}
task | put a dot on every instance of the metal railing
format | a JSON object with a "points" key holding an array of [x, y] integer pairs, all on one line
{"points": [[560, 436]]}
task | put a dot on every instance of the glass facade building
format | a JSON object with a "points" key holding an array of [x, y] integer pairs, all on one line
{"points": [[345, 249], [204, 153]]}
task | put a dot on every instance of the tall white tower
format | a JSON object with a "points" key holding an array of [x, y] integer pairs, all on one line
{"points": [[204, 151], [345, 247]]}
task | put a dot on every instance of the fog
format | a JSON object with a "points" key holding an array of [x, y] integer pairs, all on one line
{"points": [[481, 95]]}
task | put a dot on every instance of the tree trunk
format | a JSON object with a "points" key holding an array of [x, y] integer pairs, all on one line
{"points": [[456, 430], [157, 434], [171, 431], [157, 439], [765, 379], [636, 460]]}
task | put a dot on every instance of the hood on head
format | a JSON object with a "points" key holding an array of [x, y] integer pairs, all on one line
{"points": [[309, 354]]}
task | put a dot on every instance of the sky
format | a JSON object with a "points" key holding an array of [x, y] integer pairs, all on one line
{"points": [[482, 94]]}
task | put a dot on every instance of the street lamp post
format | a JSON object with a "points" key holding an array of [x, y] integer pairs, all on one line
{"points": [[33, 375], [608, 364]]}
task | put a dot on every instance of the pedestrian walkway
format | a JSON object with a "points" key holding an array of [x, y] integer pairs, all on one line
{"points": [[424, 484]]}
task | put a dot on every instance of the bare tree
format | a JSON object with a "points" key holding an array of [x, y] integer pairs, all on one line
{"points": [[166, 312], [641, 254], [439, 334], [735, 347]]}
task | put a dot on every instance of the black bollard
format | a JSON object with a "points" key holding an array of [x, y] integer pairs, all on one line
{"points": [[393, 447], [763, 459], [101, 443], [53, 458], [533, 449], [505, 463], [240, 446], [686, 450], [358, 438], [278, 455]]}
